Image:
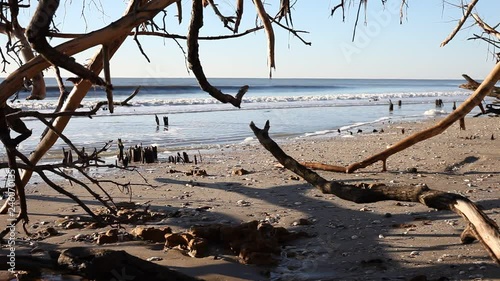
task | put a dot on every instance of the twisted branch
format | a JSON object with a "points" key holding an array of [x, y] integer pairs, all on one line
{"points": [[195, 64]]}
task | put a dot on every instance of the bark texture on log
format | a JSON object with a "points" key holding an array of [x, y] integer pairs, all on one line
{"points": [[483, 228]]}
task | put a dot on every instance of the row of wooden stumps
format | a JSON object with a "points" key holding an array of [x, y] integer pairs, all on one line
{"points": [[439, 104], [149, 154], [68, 157], [391, 105], [184, 158], [138, 153], [165, 120]]}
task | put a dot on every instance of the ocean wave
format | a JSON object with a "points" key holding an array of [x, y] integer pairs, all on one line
{"points": [[360, 98], [435, 112]]}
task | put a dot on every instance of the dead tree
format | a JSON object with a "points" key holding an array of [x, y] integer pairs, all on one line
{"points": [[480, 226], [140, 13]]}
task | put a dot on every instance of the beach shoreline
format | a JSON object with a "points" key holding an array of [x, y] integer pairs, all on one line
{"points": [[395, 241]]}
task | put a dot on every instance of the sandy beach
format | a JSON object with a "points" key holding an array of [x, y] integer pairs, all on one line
{"points": [[347, 241]]}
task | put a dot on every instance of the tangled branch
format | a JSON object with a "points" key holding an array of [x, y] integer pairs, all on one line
{"points": [[195, 64]]}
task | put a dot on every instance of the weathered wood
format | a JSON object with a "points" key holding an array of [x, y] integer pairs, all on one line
{"points": [[116, 32], [98, 264], [462, 123], [185, 157], [136, 154], [155, 152], [67, 156], [473, 85], [474, 100], [484, 229], [114, 35], [36, 33], [261, 12], [149, 154], [324, 167], [194, 62], [120, 148], [125, 160]]}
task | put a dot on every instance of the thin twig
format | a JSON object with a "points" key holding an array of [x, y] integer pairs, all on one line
{"points": [[460, 22]]}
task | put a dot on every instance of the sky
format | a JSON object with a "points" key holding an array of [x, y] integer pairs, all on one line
{"points": [[383, 48]]}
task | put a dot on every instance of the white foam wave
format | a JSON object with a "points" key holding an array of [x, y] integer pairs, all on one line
{"points": [[319, 133], [248, 140], [345, 128], [435, 112], [359, 97], [359, 124]]}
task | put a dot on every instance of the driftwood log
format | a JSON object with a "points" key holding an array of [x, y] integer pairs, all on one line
{"points": [[480, 226], [97, 264], [473, 85]]}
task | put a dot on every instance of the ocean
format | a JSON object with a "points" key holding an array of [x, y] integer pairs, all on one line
{"points": [[296, 108]]}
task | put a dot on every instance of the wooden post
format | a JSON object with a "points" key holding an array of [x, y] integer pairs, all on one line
{"points": [[391, 106], [400, 103], [125, 160], [120, 147], [143, 154], [454, 105], [185, 157], [65, 157], [165, 121], [155, 152], [157, 120], [70, 157]]}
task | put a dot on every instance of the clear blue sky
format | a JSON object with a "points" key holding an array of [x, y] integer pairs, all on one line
{"points": [[382, 49]]}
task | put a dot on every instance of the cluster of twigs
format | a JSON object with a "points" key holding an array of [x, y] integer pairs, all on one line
{"points": [[81, 164]]}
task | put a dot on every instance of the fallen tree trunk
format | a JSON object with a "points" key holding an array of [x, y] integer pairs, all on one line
{"points": [[480, 227], [97, 264], [484, 89], [473, 85]]}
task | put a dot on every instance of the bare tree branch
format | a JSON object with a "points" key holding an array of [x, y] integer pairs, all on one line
{"points": [[481, 227], [39, 28], [195, 64], [340, 5], [239, 15], [488, 29], [461, 22], [261, 12]]}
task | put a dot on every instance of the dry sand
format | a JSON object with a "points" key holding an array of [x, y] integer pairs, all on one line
{"points": [[351, 242]]}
